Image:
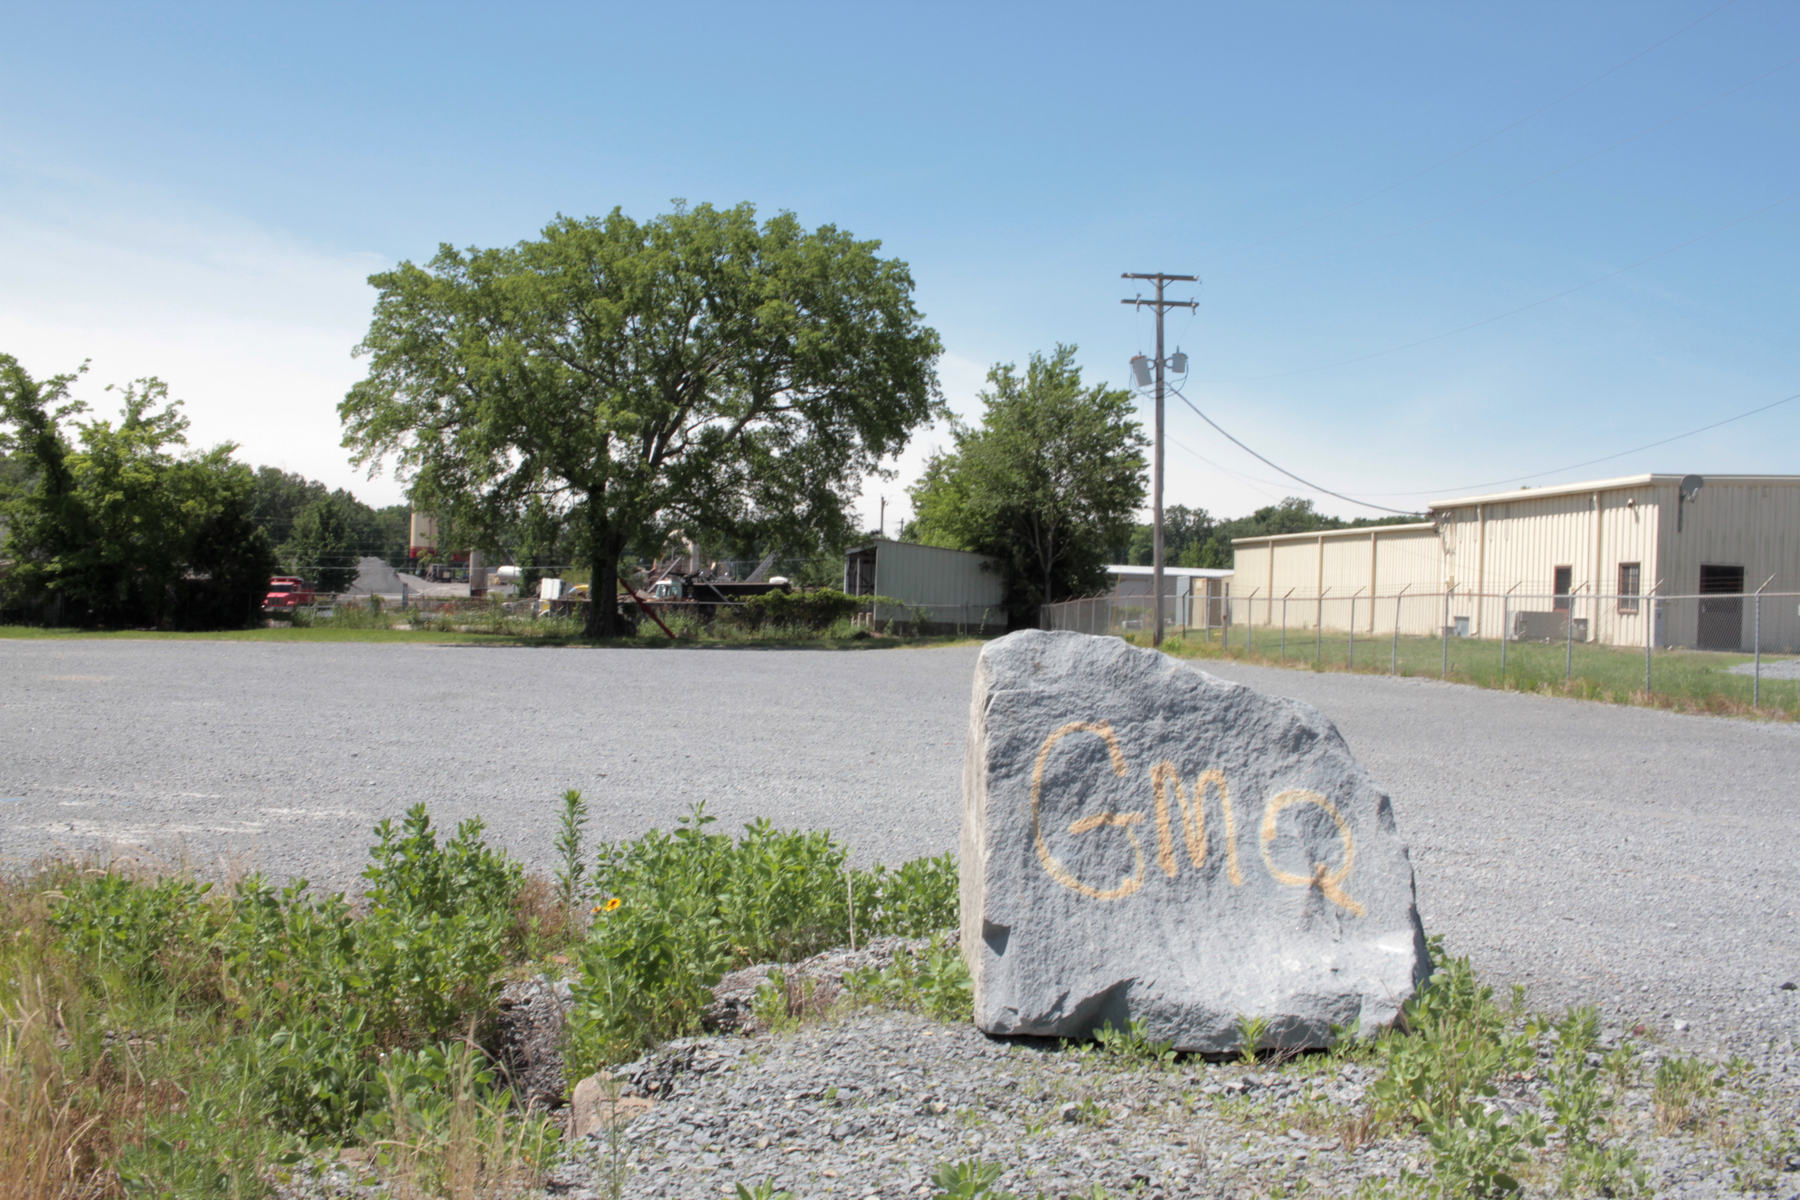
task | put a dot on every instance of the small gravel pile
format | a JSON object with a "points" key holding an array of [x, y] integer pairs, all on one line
{"points": [[1780, 668], [867, 1105]]}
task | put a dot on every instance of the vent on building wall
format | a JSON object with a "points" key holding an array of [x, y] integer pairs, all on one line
{"points": [[1690, 488]]}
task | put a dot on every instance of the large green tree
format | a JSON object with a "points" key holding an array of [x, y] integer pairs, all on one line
{"points": [[323, 547], [279, 497], [117, 525], [698, 370], [1046, 485]]}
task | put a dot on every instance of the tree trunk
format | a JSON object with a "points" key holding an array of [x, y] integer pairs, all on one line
{"points": [[603, 581]]}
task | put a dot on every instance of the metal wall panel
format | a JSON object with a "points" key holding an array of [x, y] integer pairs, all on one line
{"points": [[1503, 557], [1499, 557], [951, 583], [1751, 524], [1339, 563]]}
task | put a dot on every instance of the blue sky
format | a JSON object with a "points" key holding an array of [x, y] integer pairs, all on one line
{"points": [[198, 192]]}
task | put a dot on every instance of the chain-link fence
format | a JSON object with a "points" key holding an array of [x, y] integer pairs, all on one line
{"points": [[1116, 614], [1716, 651]]}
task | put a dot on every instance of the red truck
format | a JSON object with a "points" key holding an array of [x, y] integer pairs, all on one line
{"points": [[286, 593]]}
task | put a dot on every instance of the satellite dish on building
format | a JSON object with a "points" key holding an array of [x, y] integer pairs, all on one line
{"points": [[1690, 486]]}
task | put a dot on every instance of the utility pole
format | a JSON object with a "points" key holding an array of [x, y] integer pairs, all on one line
{"points": [[882, 527], [1156, 471]]}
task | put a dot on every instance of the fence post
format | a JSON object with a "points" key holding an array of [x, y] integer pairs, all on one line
{"points": [[1225, 624], [1284, 601], [1649, 636], [1394, 669], [1250, 622], [1319, 631], [1756, 688], [1444, 631], [1569, 636], [1352, 660], [1505, 627]]}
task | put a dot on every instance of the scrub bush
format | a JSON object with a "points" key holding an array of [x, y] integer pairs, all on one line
{"points": [[684, 907], [805, 610]]}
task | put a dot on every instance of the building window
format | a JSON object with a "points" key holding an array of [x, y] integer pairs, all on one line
{"points": [[1564, 576], [1631, 578]]}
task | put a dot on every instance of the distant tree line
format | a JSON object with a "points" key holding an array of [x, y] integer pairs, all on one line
{"points": [[115, 523], [322, 535], [1193, 538]]}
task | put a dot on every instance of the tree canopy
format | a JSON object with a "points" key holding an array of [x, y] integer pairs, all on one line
{"points": [[278, 498], [114, 526], [322, 547], [1193, 538], [1046, 485], [625, 378]]}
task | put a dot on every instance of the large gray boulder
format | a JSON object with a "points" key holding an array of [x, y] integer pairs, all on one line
{"points": [[1142, 840]]}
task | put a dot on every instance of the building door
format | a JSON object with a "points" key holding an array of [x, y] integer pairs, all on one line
{"points": [[1721, 608], [1560, 584]]}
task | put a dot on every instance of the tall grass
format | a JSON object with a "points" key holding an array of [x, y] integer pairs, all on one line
{"points": [[164, 1036], [1682, 680]]}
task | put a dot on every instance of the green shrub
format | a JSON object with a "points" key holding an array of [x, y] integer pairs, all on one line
{"points": [[683, 908], [934, 981], [806, 610], [1437, 1067], [916, 900], [111, 923]]}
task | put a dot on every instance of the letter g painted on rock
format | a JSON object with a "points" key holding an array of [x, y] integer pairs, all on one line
{"points": [[1086, 824]]}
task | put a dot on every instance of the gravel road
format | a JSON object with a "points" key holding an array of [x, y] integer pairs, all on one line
{"points": [[1622, 856]]}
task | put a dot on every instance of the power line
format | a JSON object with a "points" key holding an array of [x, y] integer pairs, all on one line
{"points": [[1515, 311], [1253, 454], [1465, 487], [1483, 141], [1605, 458], [1249, 481]]}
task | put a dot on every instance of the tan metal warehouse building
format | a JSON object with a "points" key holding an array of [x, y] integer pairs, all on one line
{"points": [[1524, 564]]}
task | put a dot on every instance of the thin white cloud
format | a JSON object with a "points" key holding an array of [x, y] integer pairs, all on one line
{"points": [[252, 328]]}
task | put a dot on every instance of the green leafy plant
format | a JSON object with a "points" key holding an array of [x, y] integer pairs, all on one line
{"points": [[1251, 1032], [968, 1179], [1680, 1092], [1134, 1044], [1438, 1067], [934, 981], [571, 872], [1575, 1096], [917, 899], [762, 1191], [448, 1128], [688, 905]]}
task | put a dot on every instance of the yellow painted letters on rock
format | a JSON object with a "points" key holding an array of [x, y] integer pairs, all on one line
{"points": [[1189, 807]]}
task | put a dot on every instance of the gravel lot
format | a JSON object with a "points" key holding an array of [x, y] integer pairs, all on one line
{"points": [[1637, 859]]}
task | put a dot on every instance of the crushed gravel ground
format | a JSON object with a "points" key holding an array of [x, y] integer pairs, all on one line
{"points": [[1633, 859], [867, 1105]]}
